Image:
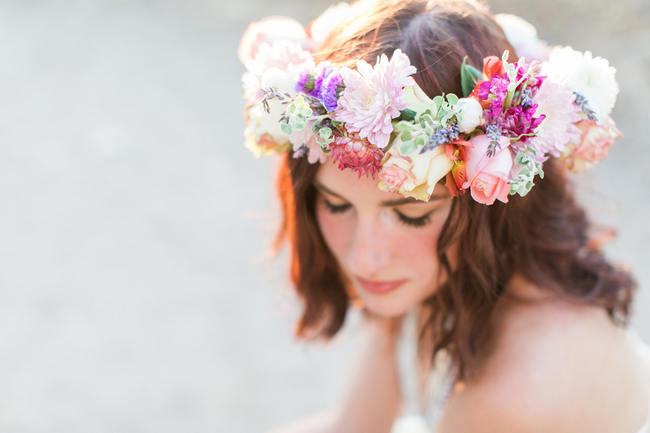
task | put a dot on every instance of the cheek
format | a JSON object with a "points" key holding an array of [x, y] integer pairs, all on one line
{"points": [[416, 249], [336, 230]]}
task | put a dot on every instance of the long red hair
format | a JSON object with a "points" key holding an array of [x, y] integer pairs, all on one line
{"points": [[542, 236]]}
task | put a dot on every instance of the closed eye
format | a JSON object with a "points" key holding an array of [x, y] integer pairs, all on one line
{"points": [[420, 221], [336, 208]]}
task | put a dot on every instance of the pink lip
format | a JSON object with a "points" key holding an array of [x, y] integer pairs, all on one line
{"points": [[379, 287]]}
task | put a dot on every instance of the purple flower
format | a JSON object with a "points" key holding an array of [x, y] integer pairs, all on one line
{"points": [[331, 90], [325, 70], [305, 83]]}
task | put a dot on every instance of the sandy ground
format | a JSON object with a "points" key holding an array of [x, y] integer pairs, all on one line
{"points": [[136, 292]]}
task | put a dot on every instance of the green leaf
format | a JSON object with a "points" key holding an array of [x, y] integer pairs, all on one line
{"points": [[325, 132], [420, 141], [408, 114], [469, 76], [452, 99], [407, 148], [438, 101], [285, 128]]}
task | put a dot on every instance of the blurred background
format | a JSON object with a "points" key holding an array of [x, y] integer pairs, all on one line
{"points": [[136, 288]]}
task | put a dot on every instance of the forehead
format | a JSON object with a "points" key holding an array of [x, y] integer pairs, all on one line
{"points": [[350, 186]]}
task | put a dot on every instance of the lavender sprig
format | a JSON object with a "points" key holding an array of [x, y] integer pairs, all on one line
{"points": [[582, 102], [494, 134], [273, 93], [447, 134]]}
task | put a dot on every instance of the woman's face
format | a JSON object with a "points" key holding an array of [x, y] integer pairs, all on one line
{"points": [[385, 244]]}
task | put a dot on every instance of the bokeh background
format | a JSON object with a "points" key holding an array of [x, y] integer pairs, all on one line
{"points": [[137, 292]]}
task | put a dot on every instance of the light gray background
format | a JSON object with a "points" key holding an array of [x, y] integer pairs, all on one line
{"points": [[136, 291]]}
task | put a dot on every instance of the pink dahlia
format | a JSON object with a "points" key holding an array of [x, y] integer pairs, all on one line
{"points": [[357, 154], [558, 127], [373, 97]]}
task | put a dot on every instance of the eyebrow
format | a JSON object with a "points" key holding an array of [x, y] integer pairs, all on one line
{"points": [[396, 202]]}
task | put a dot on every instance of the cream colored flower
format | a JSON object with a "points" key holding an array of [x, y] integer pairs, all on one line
{"points": [[592, 77], [470, 114]]}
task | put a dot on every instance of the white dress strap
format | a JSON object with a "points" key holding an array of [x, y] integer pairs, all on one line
{"points": [[420, 412]]}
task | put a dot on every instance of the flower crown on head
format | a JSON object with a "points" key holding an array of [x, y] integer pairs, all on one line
{"points": [[378, 122]]}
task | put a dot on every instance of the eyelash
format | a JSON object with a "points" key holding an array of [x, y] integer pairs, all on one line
{"points": [[336, 208], [413, 222]]}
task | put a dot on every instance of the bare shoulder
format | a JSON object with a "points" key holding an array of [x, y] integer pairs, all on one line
{"points": [[557, 368]]}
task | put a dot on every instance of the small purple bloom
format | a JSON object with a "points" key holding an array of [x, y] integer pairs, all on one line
{"points": [[325, 71], [305, 83], [331, 90]]}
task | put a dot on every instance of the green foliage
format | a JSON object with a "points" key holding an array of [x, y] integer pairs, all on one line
{"points": [[324, 137], [408, 114], [469, 76], [414, 135], [296, 115], [523, 183]]}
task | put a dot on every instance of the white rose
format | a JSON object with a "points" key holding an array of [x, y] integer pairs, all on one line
{"points": [[424, 171], [416, 100], [260, 122], [284, 81], [470, 114], [429, 167]]}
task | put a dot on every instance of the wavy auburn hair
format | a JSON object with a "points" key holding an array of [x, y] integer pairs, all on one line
{"points": [[543, 236]]}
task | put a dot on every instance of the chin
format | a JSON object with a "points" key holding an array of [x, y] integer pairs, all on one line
{"points": [[388, 306]]}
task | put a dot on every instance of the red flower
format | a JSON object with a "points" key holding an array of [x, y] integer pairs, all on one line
{"points": [[357, 154], [492, 66]]}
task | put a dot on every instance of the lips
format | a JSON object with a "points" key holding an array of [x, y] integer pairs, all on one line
{"points": [[379, 287]]}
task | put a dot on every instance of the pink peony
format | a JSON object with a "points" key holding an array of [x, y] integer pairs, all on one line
{"points": [[357, 154], [373, 97], [558, 127], [267, 31], [593, 145], [488, 176], [278, 65]]}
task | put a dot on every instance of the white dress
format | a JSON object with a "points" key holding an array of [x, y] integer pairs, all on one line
{"points": [[421, 411]]}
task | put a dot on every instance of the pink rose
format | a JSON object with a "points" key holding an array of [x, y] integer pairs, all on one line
{"points": [[488, 176], [395, 172], [595, 141], [268, 30]]}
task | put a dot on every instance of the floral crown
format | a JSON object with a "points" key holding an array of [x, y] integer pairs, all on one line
{"points": [[493, 141]]}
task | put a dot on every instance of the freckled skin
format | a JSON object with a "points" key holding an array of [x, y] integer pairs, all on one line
{"points": [[372, 242]]}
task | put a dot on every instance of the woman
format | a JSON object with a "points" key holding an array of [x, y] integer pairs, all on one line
{"points": [[521, 322]]}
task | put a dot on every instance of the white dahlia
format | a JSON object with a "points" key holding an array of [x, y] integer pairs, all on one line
{"points": [[592, 77]]}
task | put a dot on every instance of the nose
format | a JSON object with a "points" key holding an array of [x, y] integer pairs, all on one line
{"points": [[369, 250]]}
